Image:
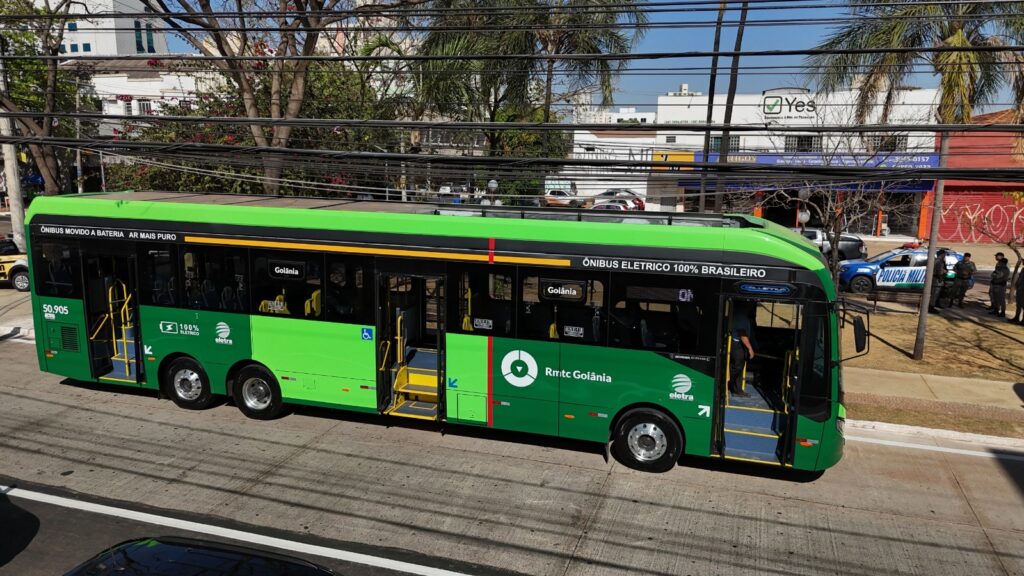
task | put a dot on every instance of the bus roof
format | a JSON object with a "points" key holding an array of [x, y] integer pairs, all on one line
{"points": [[708, 232]]}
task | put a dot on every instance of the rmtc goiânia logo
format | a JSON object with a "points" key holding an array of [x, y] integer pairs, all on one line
{"points": [[519, 368], [681, 384], [223, 334]]}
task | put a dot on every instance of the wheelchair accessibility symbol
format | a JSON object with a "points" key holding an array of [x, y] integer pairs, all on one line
{"points": [[367, 333]]}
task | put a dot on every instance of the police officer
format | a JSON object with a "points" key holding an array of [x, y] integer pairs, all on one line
{"points": [[964, 270], [1000, 276], [938, 279], [742, 348], [991, 299]]}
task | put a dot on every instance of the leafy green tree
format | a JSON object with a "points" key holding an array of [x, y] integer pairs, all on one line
{"points": [[906, 34], [39, 86], [334, 91], [567, 27]]}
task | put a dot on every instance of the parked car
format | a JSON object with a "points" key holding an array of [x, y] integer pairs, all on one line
{"points": [[445, 189], [850, 246], [167, 556], [562, 199], [635, 201], [616, 204], [13, 265], [899, 269]]}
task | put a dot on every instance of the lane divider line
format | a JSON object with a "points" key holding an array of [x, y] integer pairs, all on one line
{"points": [[959, 451], [230, 533]]}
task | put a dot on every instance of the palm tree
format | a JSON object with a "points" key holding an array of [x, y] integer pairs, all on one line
{"points": [[968, 63], [566, 27]]}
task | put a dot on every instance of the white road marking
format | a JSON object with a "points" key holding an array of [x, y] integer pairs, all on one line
{"points": [[240, 535], [961, 452]]}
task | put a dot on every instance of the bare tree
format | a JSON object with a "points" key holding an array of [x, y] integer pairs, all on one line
{"points": [[284, 32]]}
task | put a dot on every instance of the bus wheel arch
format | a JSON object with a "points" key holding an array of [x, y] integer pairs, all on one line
{"points": [[184, 380], [256, 391], [647, 437]]}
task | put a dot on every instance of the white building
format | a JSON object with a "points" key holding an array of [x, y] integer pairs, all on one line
{"points": [[109, 36]]}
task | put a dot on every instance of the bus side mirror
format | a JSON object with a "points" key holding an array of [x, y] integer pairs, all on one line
{"points": [[860, 334]]}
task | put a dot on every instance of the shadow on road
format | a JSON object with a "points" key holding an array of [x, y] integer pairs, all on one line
{"points": [[1012, 462], [1019, 389], [18, 528]]}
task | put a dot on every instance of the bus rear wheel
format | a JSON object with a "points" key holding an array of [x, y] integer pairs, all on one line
{"points": [[187, 384], [257, 393], [648, 440]]}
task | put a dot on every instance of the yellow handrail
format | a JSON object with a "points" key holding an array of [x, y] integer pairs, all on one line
{"points": [[99, 327], [400, 351], [387, 353]]}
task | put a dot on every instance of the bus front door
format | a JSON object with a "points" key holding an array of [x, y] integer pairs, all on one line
{"points": [[410, 320], [756, 394], [111, 310]]}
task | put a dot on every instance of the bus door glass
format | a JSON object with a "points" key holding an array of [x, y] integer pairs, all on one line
{"points": [[57, 267], [111, 308]]}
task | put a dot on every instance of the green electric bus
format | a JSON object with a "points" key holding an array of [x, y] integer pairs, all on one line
{"points": [[586, 325]]}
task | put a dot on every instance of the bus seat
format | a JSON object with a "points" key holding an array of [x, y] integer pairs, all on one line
{"points": [[276, 306], [228, 301], [313, 304]]}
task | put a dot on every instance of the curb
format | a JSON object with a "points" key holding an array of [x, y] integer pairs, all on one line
{"points": [[20, 332], [919, 431]]}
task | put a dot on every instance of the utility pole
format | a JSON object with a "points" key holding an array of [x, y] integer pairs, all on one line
{"points": [[78, 133], [11, 163]]}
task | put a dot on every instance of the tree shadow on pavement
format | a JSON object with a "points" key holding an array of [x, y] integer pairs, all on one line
{"points": [[1012, 462], [18, 528], [1019, 389]]}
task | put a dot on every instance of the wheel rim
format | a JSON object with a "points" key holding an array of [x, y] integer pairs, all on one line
{"points": [[861, 284], [256, 394], [647, 442], [21, 282], [187, 384]]}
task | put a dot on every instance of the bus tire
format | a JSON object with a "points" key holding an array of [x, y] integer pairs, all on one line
{"points": [[20, 280], [187, 384], [257, 393], [647, 439]]}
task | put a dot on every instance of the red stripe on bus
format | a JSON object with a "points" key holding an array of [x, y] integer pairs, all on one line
{"points": [[490, 250], [490, 381]]}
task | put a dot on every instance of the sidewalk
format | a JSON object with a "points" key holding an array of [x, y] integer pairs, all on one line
{"points": [[1009, 395]]}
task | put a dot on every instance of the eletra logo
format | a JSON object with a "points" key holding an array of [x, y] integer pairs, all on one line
{"points": [[681, 384], [223, 334], [519, 368]]}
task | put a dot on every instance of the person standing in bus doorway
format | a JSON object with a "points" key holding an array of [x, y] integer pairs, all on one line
{"points": [[964, 270], [742, 346], [938, 279], [1000, 276]]}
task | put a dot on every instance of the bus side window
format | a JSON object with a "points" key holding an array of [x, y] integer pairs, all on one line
{"points": [[214, 279], [287, 284], [663, 314], [485, 303], [158, 274], [349, 292], [58, 269], [567, 309]]}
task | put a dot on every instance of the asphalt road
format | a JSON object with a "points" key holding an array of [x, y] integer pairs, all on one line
{"points": [[480, 501]]}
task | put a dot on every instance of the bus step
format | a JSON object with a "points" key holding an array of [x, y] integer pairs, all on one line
{"points": [[423, 377], [121, 372], [414, 409], [752, 446], [123, 349], [422, 359], [746, 420], [422, 391]]}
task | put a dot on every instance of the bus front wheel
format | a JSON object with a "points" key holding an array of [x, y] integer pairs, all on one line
{"points": [[648, 440], [257, 393], [187, 384]]}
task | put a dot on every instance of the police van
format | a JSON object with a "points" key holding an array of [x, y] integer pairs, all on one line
{"points": [[900, 269]]}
